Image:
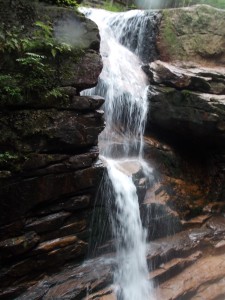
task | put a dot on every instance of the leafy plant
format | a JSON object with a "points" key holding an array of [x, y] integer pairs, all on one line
{"points": [[115, 7], [29, 69], [9, 87], [55, 93], [6, 156], [71, 3]]}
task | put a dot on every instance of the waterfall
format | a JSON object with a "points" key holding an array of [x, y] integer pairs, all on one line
{"points": [[124, 86]]}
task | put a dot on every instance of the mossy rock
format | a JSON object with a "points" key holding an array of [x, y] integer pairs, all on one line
{"points": [[184, 35]]}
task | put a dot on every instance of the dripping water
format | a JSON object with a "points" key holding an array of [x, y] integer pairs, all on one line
{"points": [[123, 84]]}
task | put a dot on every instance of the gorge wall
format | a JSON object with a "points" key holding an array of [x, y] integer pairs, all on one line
{"points": [[50, 170], [49, 156]]}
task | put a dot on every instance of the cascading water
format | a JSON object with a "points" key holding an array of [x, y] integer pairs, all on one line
{"points": [[123, 84]]}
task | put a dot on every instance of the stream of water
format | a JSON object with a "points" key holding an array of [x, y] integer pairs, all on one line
{"points": [[123, 84]]}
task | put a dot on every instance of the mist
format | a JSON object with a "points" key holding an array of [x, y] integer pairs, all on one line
{"points": [[151, 4], [69, 31], [157, 4]]}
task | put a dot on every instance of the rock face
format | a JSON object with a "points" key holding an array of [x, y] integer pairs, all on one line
{"points": [[49, 168], [185, 146], [194, 34], [188, 102], [189, 265]]}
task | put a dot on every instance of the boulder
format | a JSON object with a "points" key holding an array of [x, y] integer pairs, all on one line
{"points": [[207, 80], [192, 34], [187, 103]]}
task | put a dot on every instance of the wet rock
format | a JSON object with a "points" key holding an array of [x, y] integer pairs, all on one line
{"points": [[72, 228], [205, 281], [215, 207], [23, 195], [67, 101], [71, 204], [44, 164], [188, 115], [197, 79], [88, 69], [157, 216], [184, 182], [49, 130], [49, 157], [173, 262], [217, 224], [173, 267], [47, 223], [73, 282], [18, 245], [57, 243]]}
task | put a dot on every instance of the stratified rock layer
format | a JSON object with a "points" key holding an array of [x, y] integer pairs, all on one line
{"points": [[188, 103], [188, 265], [49, 167]]}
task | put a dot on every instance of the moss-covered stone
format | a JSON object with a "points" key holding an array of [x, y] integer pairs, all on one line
{"points": [[184, 35]]}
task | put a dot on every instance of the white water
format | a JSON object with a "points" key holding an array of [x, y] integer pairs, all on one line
{"points": [[124, 86]]}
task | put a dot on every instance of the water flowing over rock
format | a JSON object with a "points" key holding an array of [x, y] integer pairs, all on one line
{"points": [[125, 111], [167, 221]]}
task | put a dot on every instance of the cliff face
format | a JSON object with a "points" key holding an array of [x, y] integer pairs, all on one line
{"points": [[185, 145], [49, 156], [49, 169]]}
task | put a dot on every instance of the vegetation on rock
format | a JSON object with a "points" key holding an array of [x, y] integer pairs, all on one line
{"points": [[71, 3], [23, 55]]}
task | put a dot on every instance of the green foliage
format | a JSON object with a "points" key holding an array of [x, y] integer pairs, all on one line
{"points": [[178, 3], [55, 93], [9, 88], [6, 156], [28, 69], [71, 3], [11, 161], [115, 7]]}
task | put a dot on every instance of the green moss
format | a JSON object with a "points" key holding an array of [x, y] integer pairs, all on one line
{"points": [[11, 161], [169, 35], [115, 7]]}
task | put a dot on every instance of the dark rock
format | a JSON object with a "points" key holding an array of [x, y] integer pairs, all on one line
{"points": [[172, 260], [44, 164], [72, 228], [55, 244], [88, 69], [49, 169], [188, 115], [196, 79], [23, 195], [71, 204], [12, 229], [49, 130], [48, 223], [74, 283], [67, 101], [18, 245], [65, 21], [38, 161], [51, 254]]}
